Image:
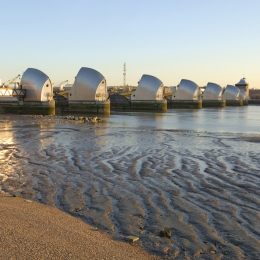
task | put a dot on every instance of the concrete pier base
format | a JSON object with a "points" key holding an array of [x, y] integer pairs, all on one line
{"points": [[185, 104], [97, 107], [213, 103], [155, 105], [245, 102], [254, 101], [32, 108], [118, 101], [234, 102]]}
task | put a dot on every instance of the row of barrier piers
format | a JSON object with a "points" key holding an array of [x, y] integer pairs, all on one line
{"points": [[114, 103]]}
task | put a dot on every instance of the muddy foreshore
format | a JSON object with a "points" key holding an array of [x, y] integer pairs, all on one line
{"points": [[200, 187]]}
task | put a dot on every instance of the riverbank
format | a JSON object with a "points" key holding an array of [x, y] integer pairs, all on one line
{"points": [[30, 230]]}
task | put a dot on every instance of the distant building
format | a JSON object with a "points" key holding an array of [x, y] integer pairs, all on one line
{"points": [[242, 84], [254, 93], [167, 90]]}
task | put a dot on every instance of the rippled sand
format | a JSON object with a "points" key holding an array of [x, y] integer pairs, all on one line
{"points": [[202, 186]]}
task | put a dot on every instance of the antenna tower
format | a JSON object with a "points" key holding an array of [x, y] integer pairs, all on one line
{"points": [[124, 73]]}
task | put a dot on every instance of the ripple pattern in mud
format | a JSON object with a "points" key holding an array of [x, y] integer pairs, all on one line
{"points": [[202, 187]]}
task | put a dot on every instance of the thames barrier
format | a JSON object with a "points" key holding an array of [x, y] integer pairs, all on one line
{"points": [[36, 94]]}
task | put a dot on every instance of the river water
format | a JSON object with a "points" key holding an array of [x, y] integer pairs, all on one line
{"points": [[195, 173], [229, 119]]}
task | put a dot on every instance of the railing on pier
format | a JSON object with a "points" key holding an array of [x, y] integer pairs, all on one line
{"points": [[10, 92]]}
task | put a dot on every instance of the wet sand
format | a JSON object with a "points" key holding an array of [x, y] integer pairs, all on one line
{"points": [[201, 186]]}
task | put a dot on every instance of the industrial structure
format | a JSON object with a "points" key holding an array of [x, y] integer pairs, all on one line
{"points": [[212, 96], [231, 95], [149, 94], [243, 97], [243, 85], [38, 86], [89, 92], [10, 82], [186, 95], [124, 74], [34, 95], [10, 91], [12, 95], [59, 86]]}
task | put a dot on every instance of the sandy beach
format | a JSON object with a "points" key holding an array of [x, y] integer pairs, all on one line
{"points": [[199, 187], [30, 230]]}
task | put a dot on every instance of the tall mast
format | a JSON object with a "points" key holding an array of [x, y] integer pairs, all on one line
{"points": [[124, 73]]}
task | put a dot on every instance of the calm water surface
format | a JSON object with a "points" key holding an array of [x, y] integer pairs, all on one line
{"points": [[244, 119]]}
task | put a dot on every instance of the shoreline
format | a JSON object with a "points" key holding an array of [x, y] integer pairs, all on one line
{"points": [[30, 229]]}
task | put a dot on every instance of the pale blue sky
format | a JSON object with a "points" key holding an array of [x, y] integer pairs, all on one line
{"points": [[200, 40]]}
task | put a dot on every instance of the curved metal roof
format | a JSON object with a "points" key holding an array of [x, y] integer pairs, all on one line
{"points": [[149, 88], [231, 93], [242, 94], [86, 83], [35, 82], [242, 82], [187, 90], [212, 92]]}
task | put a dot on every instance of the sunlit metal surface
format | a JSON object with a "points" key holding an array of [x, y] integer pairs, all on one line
{"points": [[212, 92], [149, 88], [231, 93], [242, 94], [187, 90], [89, 85], [242, 82], [37, 84], [10, 92]]}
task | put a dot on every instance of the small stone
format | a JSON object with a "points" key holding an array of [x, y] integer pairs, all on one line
{"points": [[212, 252], [93, 229], [165, 233], [132, 239], [28, 201]]}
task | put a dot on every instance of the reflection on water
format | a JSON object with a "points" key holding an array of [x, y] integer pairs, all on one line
{"points": [[46, 136], [7, 149], [229, 119]]}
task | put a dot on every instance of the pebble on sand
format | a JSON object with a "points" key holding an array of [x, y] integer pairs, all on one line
{"points": [[93, 229], [165, 233], [132, 239]]}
